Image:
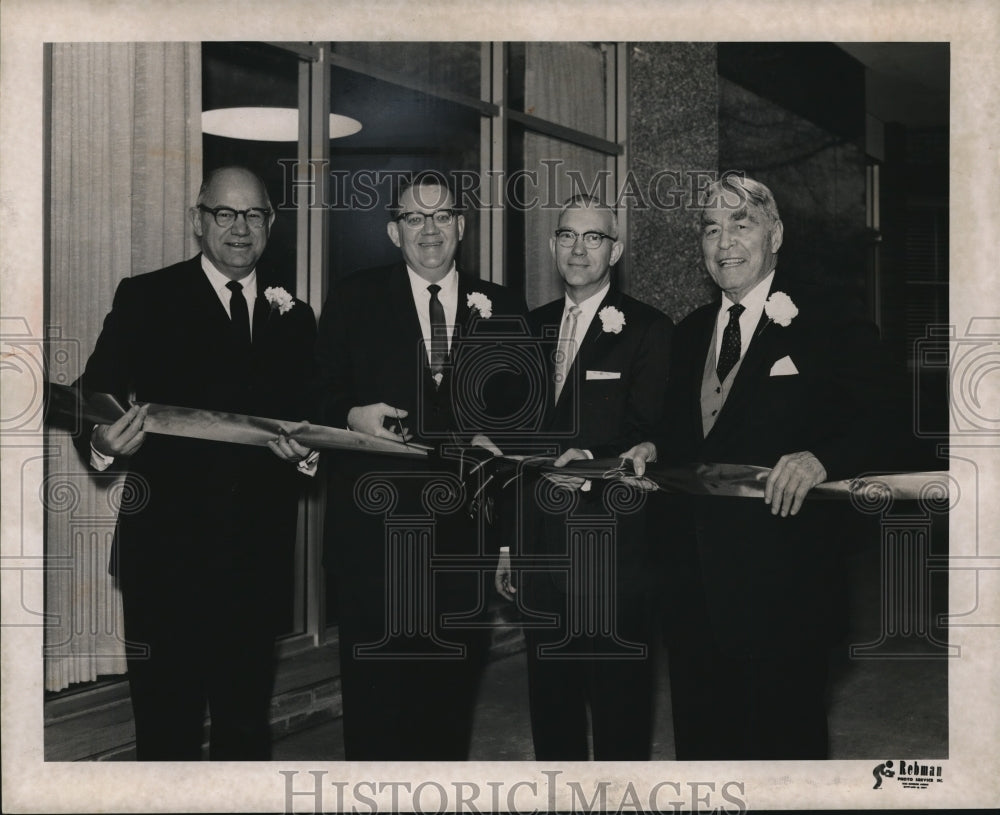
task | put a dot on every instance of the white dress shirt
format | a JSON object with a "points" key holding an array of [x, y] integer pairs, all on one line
{"points": [[753, 304], [422, 300]]}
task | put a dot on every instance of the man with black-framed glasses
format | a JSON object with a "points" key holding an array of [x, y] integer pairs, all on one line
{"points": [[204, 545], [398, 356], [607, 355]]}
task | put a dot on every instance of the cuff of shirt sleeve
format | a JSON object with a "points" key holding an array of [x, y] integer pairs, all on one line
{"points": [[309, 464], [98, 460]]}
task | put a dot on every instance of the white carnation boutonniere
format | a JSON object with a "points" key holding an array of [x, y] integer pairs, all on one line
{"points": [[279, 299], [612, 320], [481, 303], [780, 309]]}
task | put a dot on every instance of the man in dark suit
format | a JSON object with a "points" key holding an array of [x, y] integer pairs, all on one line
{"points": [[769, 375], [204, 543], [397, 358], [607, 355]]}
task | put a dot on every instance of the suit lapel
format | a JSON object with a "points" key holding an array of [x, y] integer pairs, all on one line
{"points": [[549, 321], [464, 315], [594, 342], [704, 334], [402, 323], [261, 316], [203, 303], [596, 338]]}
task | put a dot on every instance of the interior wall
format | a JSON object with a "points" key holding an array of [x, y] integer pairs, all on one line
{"points": [[673, 131], [818, 180]]}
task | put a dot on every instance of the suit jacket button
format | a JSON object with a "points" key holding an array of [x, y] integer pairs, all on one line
{"points": [[714, 412], [718, 390]]}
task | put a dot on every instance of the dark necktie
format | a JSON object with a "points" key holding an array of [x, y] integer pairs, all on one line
{"points": [[729, 355], [439, 336], [238, 314]]}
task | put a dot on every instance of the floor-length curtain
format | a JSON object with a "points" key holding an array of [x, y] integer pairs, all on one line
{"points": [[125, 163]]}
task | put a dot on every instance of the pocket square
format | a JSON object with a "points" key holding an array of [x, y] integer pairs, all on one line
{"points": [[784, 367], [604, 375]]}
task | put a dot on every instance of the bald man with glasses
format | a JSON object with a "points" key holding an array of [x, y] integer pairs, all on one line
{"points": [[607, 357], [204, 553]]}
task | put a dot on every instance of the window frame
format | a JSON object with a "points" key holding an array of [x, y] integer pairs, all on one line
{"points": [[315, 84]]}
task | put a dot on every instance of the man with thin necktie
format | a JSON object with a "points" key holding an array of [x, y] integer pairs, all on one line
{"points": [[392, 354], [589, 671], [204, 554]]}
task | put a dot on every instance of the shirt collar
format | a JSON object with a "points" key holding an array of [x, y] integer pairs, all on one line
{"points": [[219, 280], [753, 300], [448, 283], [588, 308]]}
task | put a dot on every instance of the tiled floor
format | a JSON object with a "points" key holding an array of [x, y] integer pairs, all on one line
{"points": [[878, 707]]}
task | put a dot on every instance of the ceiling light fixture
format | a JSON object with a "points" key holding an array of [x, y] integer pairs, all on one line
{"points": [[268, 124]]}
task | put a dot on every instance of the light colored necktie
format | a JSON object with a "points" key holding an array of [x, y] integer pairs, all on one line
{"points": [[566, 352]]}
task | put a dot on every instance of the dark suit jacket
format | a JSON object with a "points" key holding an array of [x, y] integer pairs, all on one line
{"points": [[369, 350], [604, 415], [607, 415], [752, 582], [191, 505]]}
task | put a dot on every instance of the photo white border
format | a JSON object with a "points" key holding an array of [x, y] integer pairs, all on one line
{"points": [[972, 27]]}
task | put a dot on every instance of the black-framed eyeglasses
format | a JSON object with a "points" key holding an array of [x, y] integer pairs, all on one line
{"points": [[225, 217], [416, 220], [591, 240]]}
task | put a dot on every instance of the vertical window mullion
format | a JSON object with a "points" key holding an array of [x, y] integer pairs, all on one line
{"points": [[314, 160], [494, 158], [617, 118]]}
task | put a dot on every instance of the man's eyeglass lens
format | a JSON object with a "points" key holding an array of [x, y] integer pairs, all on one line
{"points": [[591, 240], [416, 220], [225, 217]]}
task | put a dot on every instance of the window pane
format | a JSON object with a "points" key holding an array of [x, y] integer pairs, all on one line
{"points": [[562, 82], [554, 171], [402, 131], [447, 66]]}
